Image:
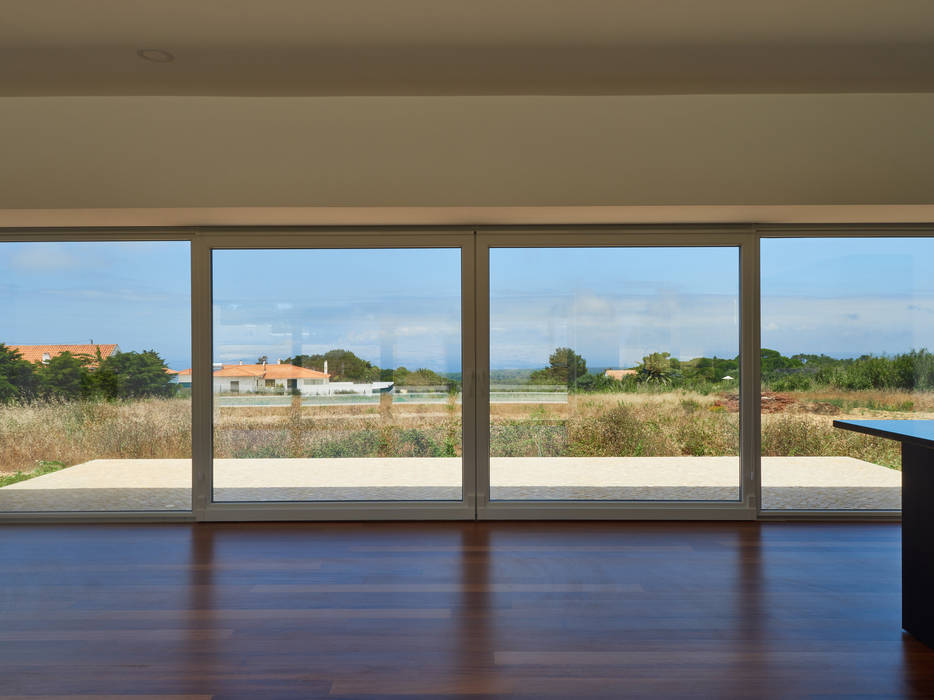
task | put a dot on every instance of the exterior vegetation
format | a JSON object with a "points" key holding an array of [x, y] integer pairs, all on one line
{"points": [[564, 367], [344, 366], [72, 410], [647, 423], [42, 467], [911, 371], [69, 377]]}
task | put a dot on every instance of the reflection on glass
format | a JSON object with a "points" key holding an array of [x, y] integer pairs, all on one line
{"points": [[337, 375], [92, 414], [847, 325], [614, 374]]}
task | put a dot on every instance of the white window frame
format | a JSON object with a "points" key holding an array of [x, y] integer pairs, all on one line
{"points": [[475, 243], [742, 238], [205, 508], [765, 231], [106, 235]]}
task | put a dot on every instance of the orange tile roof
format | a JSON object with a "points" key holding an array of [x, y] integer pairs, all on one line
{"points": [[293, 372], [266, 372], [240, 371], [619, 373], [34, 353]]}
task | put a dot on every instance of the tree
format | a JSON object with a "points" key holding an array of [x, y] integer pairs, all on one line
{"points": [[773, 360], [343, 365], [17, 376], [914, 370], [397, 376], [565, 367], [66, 376], [136, 375], [704, 369], [104, 381], [600, 382], [420, 377], [262, 359], [656, 368]]}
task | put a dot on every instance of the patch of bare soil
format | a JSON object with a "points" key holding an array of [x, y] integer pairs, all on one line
{"points": [[822, 408], [771, 402]]}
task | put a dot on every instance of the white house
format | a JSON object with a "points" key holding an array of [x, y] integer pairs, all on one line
{"points": [[266, 378], [276, 379], [260, 379]]}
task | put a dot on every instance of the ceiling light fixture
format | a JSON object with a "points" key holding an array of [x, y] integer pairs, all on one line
{"points": [[155, 55]]}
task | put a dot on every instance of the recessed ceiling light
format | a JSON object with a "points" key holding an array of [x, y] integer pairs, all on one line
{"points": [[155, 55]]}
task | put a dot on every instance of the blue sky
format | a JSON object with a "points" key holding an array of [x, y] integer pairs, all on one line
{"points": [[391, 307], [843, 297], [134, 294], [847, 297], [612, 305]]}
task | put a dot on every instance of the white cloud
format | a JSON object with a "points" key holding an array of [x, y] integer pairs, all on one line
{"points": [[847, 327], [46, 257], [118, 296], [612, 330]]}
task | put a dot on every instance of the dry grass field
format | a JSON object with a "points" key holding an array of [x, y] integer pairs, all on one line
{"points": [[73, 432], [35, 435]]}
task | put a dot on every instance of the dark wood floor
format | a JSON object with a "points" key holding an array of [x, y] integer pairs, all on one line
{"points": [[379, 610]]}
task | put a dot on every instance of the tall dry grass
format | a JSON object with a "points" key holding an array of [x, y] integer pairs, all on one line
{"points": [[621, 425], [74, 431], [649, 424], [876, 403], [800, 435], [685, 423]]}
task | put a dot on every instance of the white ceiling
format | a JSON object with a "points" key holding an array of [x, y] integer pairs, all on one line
{"points": [[465, 47]]}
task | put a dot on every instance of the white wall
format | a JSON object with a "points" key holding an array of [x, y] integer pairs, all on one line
{"points": [[168, 152], [246, 384]]}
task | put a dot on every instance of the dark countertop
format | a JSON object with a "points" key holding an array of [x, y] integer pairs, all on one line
{"points": [[920, 432]]}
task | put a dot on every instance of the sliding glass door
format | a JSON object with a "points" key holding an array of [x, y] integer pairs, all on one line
{"points": [[378, 374], [614, 376], [338, 378], [847, 333], [95, 417]]}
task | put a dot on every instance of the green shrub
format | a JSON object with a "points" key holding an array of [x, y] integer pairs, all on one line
{"points": [[791, 382], [528, 439], [617, 432], [708, 435], [794, 436], [43, 466]]}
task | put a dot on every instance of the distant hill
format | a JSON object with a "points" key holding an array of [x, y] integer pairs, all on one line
{"points": [[510, 376], [498, 376]]}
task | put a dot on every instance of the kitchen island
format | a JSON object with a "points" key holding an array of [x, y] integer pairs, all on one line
{"points": [[917, 439]]}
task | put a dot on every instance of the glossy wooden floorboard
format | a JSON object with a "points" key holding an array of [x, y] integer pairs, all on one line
{"points": [[451, 610]]}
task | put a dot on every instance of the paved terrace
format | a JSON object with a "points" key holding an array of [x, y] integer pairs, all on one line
{"points": [[164, 484]]}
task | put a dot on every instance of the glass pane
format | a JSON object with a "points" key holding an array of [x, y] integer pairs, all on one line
{"points": [[92, 414], [337, 375], [847, 325], [614, 374]]}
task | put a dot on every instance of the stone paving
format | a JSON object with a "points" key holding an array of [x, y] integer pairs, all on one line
{"points": [[819, 483]]}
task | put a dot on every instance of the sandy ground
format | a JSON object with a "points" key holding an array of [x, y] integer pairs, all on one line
{"points": [[163, 484]]}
